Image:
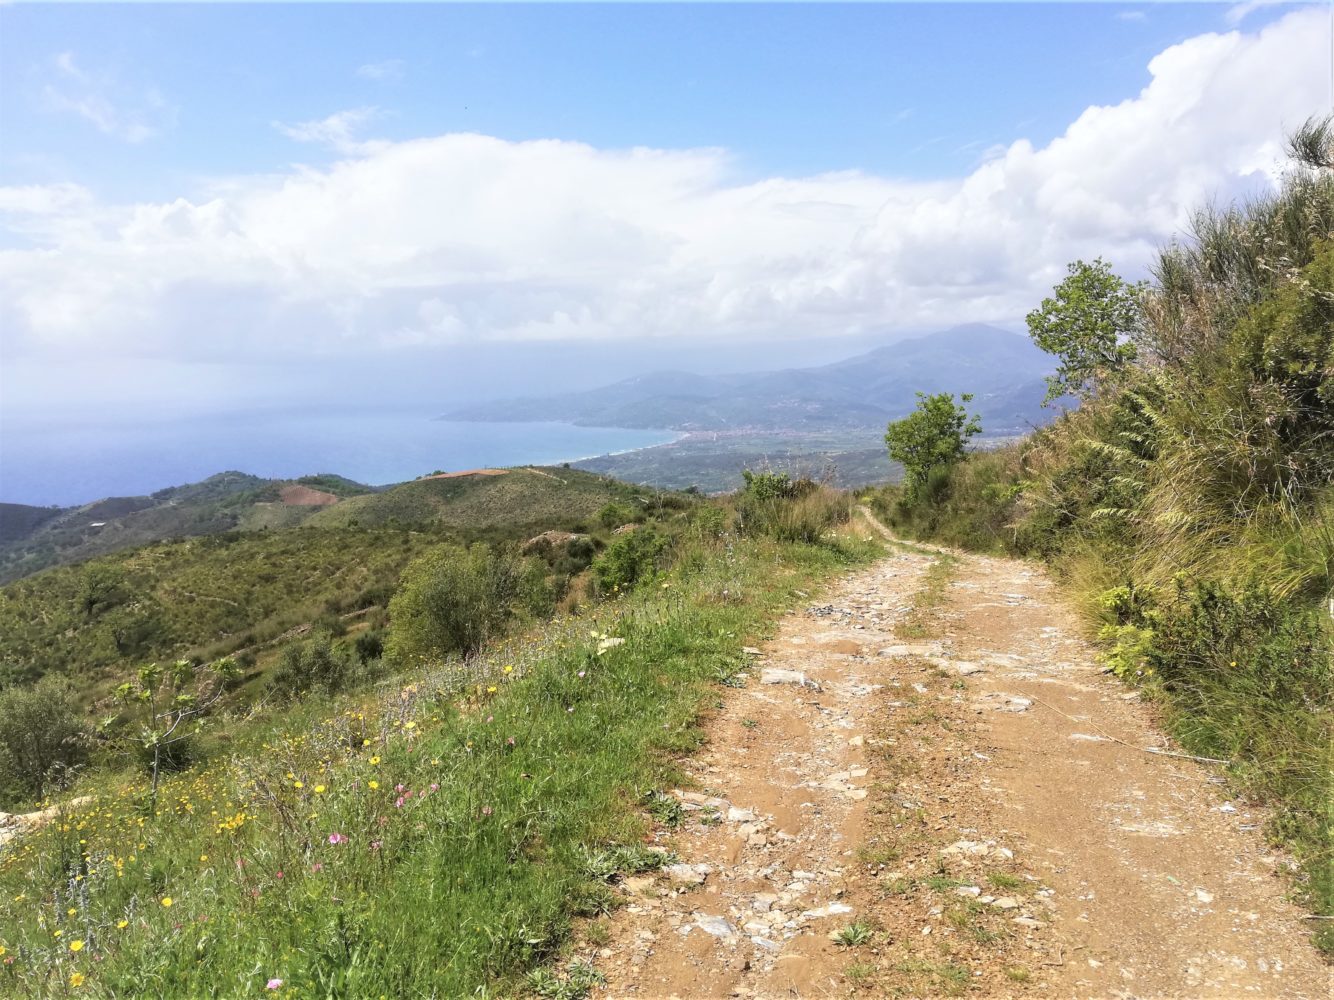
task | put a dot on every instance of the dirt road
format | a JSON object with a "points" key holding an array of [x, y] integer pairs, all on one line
{"points": [[925, 763]]}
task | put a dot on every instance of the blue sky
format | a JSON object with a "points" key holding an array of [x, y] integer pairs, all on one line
{"points": [[912, 90], [230, 204]]}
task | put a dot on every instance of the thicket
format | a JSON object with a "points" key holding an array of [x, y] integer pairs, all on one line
{"points": [[1189, 500]]}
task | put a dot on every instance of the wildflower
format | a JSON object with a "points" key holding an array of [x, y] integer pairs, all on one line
{"points": [[298, 784], [319, 789], [166, 900], [274, 984], [491, 689], [317, 868], [375, 760], [510, 741], [409, 725], [435, 787], [375, 845], [71, 911], [486, 810], [581, 673], [76, 946], [372, 785], [509, 669], [336, 838], [122, 924], [278, 873], [76, 979], [203, 857]]}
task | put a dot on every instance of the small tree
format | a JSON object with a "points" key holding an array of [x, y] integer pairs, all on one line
{"points": [[41, 736], [932, 436], [170, 704], [1087, 323]]}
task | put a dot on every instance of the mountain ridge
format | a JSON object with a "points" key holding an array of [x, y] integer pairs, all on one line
{"points": [[1004, 372]]}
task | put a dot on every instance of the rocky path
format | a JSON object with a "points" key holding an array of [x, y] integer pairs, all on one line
{"points": [[919, 792]]}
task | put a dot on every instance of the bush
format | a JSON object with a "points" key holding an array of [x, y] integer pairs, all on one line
{"points": [[630, 558], [42, 738], [800, 510], [315, 666], [452, 600]]}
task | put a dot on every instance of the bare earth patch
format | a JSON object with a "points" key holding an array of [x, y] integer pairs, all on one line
{"points": [[944, 814], [296, 495]]}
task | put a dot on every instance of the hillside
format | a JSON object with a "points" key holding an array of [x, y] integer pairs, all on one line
{"points": [[229, 589], [34, 538], [1002, 370]]}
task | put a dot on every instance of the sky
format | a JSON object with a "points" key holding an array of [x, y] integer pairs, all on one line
{"points": [[249, 205]]}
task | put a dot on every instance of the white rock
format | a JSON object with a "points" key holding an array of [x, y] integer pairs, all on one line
{"points": [[719, 927], [828, 910], [688, 874]]}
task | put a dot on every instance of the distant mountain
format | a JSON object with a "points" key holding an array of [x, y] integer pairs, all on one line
{"points": [[1003, 371]]}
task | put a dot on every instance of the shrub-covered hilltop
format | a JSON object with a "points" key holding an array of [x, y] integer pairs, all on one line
{"points": [[421, 807], [1189, 501]]}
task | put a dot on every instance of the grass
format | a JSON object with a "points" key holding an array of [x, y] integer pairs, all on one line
{"points": [[854, 935], [436, 839]]}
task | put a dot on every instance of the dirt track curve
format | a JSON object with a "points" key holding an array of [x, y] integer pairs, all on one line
{"points": [[948, 785]]}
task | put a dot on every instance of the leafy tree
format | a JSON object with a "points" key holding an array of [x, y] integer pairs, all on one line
{"points": [[932, 436], [41, 736], [1087, 323], [452, 600]]}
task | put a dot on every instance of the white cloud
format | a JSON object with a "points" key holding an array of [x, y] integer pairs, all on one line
{"points": [[386, 71], [114, 108], [1132, 15], [338, 131], [1238, 12], [465, 237]]}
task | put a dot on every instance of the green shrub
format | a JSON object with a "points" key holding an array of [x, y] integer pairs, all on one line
{"points": [[452, 600], [629, 559], [316, 666], [42, 738]]}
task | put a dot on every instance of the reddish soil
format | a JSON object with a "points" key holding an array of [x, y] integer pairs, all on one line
{"points": [[294, 495]]}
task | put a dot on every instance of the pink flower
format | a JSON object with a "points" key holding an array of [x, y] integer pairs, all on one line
{"points": [[274, 984], [582, 672], [375, 845], [317, 868], [279, 874], [510, 741], [336, 838], [435, 787], [486, 810], [398, 802], [400, 789]]}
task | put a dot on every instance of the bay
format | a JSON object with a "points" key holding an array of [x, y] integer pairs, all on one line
{"points": [[75, 463]]}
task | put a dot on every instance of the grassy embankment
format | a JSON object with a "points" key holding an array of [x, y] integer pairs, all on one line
{"points": [[1188, 505], [437, 838]]}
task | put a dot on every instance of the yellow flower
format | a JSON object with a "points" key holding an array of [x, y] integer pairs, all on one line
{"points": [[409, 725], [298, 784], [365, 743], [166, 900], [76, 946], [203, 857], [319, 789], [491, 689], [76, 979], [509, 669], [71, 911], [57, 933], [122, 924], [373, 785], [375, 760]]}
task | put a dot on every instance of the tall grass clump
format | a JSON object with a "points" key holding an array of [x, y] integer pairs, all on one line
{"points": [[1189, 501], [792, 510]]}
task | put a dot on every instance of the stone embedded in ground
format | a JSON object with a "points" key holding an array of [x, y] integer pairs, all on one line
{"points": [[719, 927], [684, 874], [751, 651], [776, 675]]}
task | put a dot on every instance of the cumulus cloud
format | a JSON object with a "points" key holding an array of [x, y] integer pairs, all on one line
{"points": [[111, 106], [465, 237]]}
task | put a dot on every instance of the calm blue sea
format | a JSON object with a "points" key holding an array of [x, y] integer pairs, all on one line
{"points": [[77, 463]]}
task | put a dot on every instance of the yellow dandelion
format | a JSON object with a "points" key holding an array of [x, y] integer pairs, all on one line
{"points": [[76, 946], [203, 857], [409, 725], [319, 789], [373, 785], [166, 900], [375, 760], [491, 689], [76, 979], [298, 784], [122, 924]]}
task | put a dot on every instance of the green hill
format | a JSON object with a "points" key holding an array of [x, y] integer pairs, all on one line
{"points": [[228, 589], [35, 538]]}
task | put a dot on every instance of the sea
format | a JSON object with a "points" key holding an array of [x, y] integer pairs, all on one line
{"points": [[70, 463]]}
